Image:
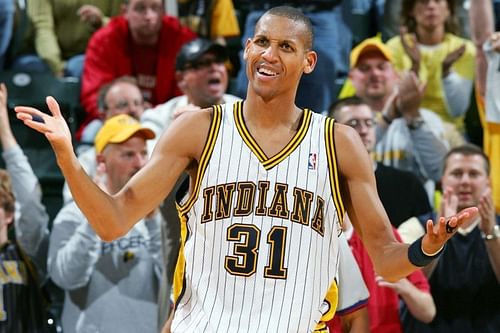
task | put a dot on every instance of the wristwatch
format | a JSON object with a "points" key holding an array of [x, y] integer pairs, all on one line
{"points": [[493, 235], [415, 123]]}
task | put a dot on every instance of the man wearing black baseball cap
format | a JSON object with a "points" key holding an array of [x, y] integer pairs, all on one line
{"points": [[201, 75]]}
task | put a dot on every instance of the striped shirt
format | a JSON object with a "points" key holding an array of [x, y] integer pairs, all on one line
{"points": [[260, 243]]}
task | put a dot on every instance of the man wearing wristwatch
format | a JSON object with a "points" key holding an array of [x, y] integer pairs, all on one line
{"points": [[465, 280], [408, 137]]}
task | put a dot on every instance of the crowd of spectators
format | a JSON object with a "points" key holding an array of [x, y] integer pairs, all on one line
{"points": [[408, 76]]}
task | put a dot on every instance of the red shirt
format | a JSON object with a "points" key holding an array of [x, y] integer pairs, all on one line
{"points": [[383, 303], [109, 55]]}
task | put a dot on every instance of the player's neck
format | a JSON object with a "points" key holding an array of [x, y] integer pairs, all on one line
{"points": [[268, 114]]}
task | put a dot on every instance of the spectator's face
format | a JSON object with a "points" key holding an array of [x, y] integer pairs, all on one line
{"points": [[430, 14], [124, 97], [466, 176], [359, 117], [205, 80], [144, 19], [374, 78], [276, 57], [123, 160]]}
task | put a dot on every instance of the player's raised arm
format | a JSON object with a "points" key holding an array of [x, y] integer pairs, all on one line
{"points": [[392, 260], [112, 216]]}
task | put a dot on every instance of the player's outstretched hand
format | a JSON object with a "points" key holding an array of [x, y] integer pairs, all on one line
{"points": [[54, 127], [438, 234]]}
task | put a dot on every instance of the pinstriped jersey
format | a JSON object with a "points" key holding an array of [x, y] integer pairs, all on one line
{"points": [[260, 244]]}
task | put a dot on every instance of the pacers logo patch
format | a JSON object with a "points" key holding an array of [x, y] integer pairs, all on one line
{"points": [[313, 161]]}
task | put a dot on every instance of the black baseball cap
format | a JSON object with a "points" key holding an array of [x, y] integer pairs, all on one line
{"points": [[193, 50]]}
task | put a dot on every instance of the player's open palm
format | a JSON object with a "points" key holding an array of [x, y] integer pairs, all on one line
{"points": [[54, 127], [438, 234]]}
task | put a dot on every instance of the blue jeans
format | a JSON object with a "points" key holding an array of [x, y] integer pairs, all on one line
{"points": [[6, 21], [74, 66]]}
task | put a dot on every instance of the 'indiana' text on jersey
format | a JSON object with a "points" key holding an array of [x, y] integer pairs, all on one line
{"points": [[260, 234], [246, 203]]}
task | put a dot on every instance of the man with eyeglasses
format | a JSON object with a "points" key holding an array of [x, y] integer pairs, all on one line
{"points": [[202, 76], [402, 196], [142, 43], [401, 192]]}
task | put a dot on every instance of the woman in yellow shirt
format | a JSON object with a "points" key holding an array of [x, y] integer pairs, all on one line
{"points": [[444, 61]]}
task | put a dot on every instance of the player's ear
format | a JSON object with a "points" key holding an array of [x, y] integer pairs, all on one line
{"points": [[245, 51], [310, 60]]}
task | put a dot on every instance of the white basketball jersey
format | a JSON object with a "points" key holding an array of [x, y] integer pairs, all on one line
{"points": [[260, 247]]}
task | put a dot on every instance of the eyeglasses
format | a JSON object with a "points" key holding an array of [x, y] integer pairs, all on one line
{"points": [[124, 104], [356, 123], [204, 63]]}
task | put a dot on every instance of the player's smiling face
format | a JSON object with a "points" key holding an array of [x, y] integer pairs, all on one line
{"points": [[277, 56]]}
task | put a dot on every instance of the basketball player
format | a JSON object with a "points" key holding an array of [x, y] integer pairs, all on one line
{"points": [[261, 243]]}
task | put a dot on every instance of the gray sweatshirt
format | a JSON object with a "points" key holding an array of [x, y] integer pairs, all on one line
{"points": [[109, 286], [31, 218]]}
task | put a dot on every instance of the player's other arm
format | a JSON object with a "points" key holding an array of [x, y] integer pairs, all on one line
{"points": [[359, 193], [112, 216]]}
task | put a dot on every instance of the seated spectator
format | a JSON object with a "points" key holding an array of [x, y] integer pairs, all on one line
{"points": [[409, 137], [465, 280], [62, 30], [202, 77], [109, 286], [23, 256], [401, 192], [443, 61], [142, 43]]}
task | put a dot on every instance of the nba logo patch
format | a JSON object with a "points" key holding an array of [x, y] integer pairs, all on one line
{"points": [[313, 161]]}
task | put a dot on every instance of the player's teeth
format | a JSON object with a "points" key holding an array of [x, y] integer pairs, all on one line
{"points": [[267, 71]]}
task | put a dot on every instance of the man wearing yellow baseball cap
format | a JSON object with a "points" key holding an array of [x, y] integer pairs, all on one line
{"points": [[99, 276], [373, 44], [409, 137], [119, 129]]}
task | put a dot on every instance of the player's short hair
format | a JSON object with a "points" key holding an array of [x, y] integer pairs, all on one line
{"points": [[7, 199], [296, 15], [467, 149], [343, 102]]}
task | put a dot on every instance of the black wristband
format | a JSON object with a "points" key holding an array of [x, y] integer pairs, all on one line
{"points": [[417, 256]]}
